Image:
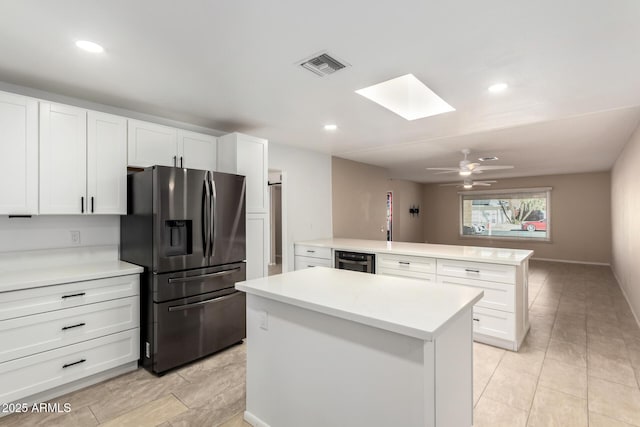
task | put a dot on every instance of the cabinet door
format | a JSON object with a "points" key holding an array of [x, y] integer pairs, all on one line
{"points": [[197, 150], [106, 164], [257, 245], [19, 152], [151, 144], [63, 159], [252, 162]]}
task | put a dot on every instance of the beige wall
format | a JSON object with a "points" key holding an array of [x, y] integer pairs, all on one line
{"points": [[625, 213], [359, 203], [580, 217]]}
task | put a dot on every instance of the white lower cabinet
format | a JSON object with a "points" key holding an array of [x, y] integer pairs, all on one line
{"points": [[493, 323], [33, 374], [54, 335], [257, 245], [312, 256]]}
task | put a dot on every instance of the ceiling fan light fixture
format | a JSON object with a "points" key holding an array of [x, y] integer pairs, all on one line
{"points": [[465, 173], [468, 186]]}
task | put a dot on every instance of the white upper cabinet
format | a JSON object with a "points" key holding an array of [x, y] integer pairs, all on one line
{"points": [[19, 152], [152, 144], [247, 155], [63, 159], [196, 150], [83, 161], [106, 164]]}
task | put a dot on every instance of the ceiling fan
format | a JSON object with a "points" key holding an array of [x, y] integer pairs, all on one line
{"points": [[466, 167], [468, 184]]}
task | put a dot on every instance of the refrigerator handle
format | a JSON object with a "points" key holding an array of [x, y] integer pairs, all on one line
{"points": [[214, 215], [205, 216]]}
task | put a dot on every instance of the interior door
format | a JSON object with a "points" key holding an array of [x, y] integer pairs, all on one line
{"points": [[229, 220]]}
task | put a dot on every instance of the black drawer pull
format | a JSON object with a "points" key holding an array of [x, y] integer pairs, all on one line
{"points": [[471, 270], [404, 262], [310, 266], [310, 251], [476, 320], [74, 295], [74, 363], [64, 328]]}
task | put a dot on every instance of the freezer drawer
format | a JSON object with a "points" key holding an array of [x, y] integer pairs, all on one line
{"points": [[170, 286], [190, 328]]}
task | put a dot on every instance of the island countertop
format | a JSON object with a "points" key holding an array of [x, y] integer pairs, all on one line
{"points": [[406, 306], [462, 253]]}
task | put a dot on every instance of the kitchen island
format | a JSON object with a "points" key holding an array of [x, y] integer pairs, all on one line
{"points": [[501, 318], [333, 347]]}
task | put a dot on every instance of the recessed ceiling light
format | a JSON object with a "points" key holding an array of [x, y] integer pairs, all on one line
{"points": [[488, 159], [330, 127], [498, 87], [89, 46], [406, 96]]}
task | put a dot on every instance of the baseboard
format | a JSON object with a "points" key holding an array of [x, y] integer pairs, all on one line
{"points": [[635, 316], [570, 261], [253, 420]]}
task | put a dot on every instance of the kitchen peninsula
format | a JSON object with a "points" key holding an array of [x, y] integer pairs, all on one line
{"points": [[335, 347], [501, 318]]}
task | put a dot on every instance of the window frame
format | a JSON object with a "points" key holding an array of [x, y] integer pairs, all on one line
{"points": [[498, 192]]}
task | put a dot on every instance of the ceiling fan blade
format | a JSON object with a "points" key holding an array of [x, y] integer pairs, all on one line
{"points": [[490, 168], [481, 184], [440, 173], [443, 169], [451, 184]]}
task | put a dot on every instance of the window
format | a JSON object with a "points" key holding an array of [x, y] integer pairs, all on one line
{"points": [[510, 214]]}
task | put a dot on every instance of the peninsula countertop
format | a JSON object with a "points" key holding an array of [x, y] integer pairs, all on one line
{"points": [[462, 253], [405, 306]]}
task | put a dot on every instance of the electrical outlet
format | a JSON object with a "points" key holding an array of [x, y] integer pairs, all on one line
{"points": [[264, 320], [75, 237]]}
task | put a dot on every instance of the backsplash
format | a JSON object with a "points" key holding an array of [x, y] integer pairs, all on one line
{"points": [[47, 232]]}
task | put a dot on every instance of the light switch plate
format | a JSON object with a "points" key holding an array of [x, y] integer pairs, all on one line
{"points": [[75, 237]]}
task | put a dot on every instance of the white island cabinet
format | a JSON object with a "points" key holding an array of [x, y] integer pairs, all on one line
{"points": [[329, 347], [501, 318]]}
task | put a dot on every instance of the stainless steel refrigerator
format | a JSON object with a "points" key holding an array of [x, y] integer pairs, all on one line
{"points": [[186, 227]]}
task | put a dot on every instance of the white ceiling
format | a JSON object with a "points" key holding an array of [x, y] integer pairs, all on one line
{"points": [[572, 67]]}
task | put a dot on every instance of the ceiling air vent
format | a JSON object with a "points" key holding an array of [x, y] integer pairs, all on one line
{"points": [[323, 64]]}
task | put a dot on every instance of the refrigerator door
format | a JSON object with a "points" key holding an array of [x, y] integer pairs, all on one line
{"points": [[228, 223], [181, 202]]}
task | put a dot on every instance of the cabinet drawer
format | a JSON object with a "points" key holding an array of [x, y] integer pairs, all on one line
{"points": [[407, 273], [26, 376], [494, 323], [46, 331], [313, 251], [56, 297], [498, 296], [414, 264], [302, 262], [477, 270]]}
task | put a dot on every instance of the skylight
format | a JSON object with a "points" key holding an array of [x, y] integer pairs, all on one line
{"points": [[406, 96]]}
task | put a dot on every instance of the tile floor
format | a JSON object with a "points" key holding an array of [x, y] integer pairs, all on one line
{"points": [[579, 366]]}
